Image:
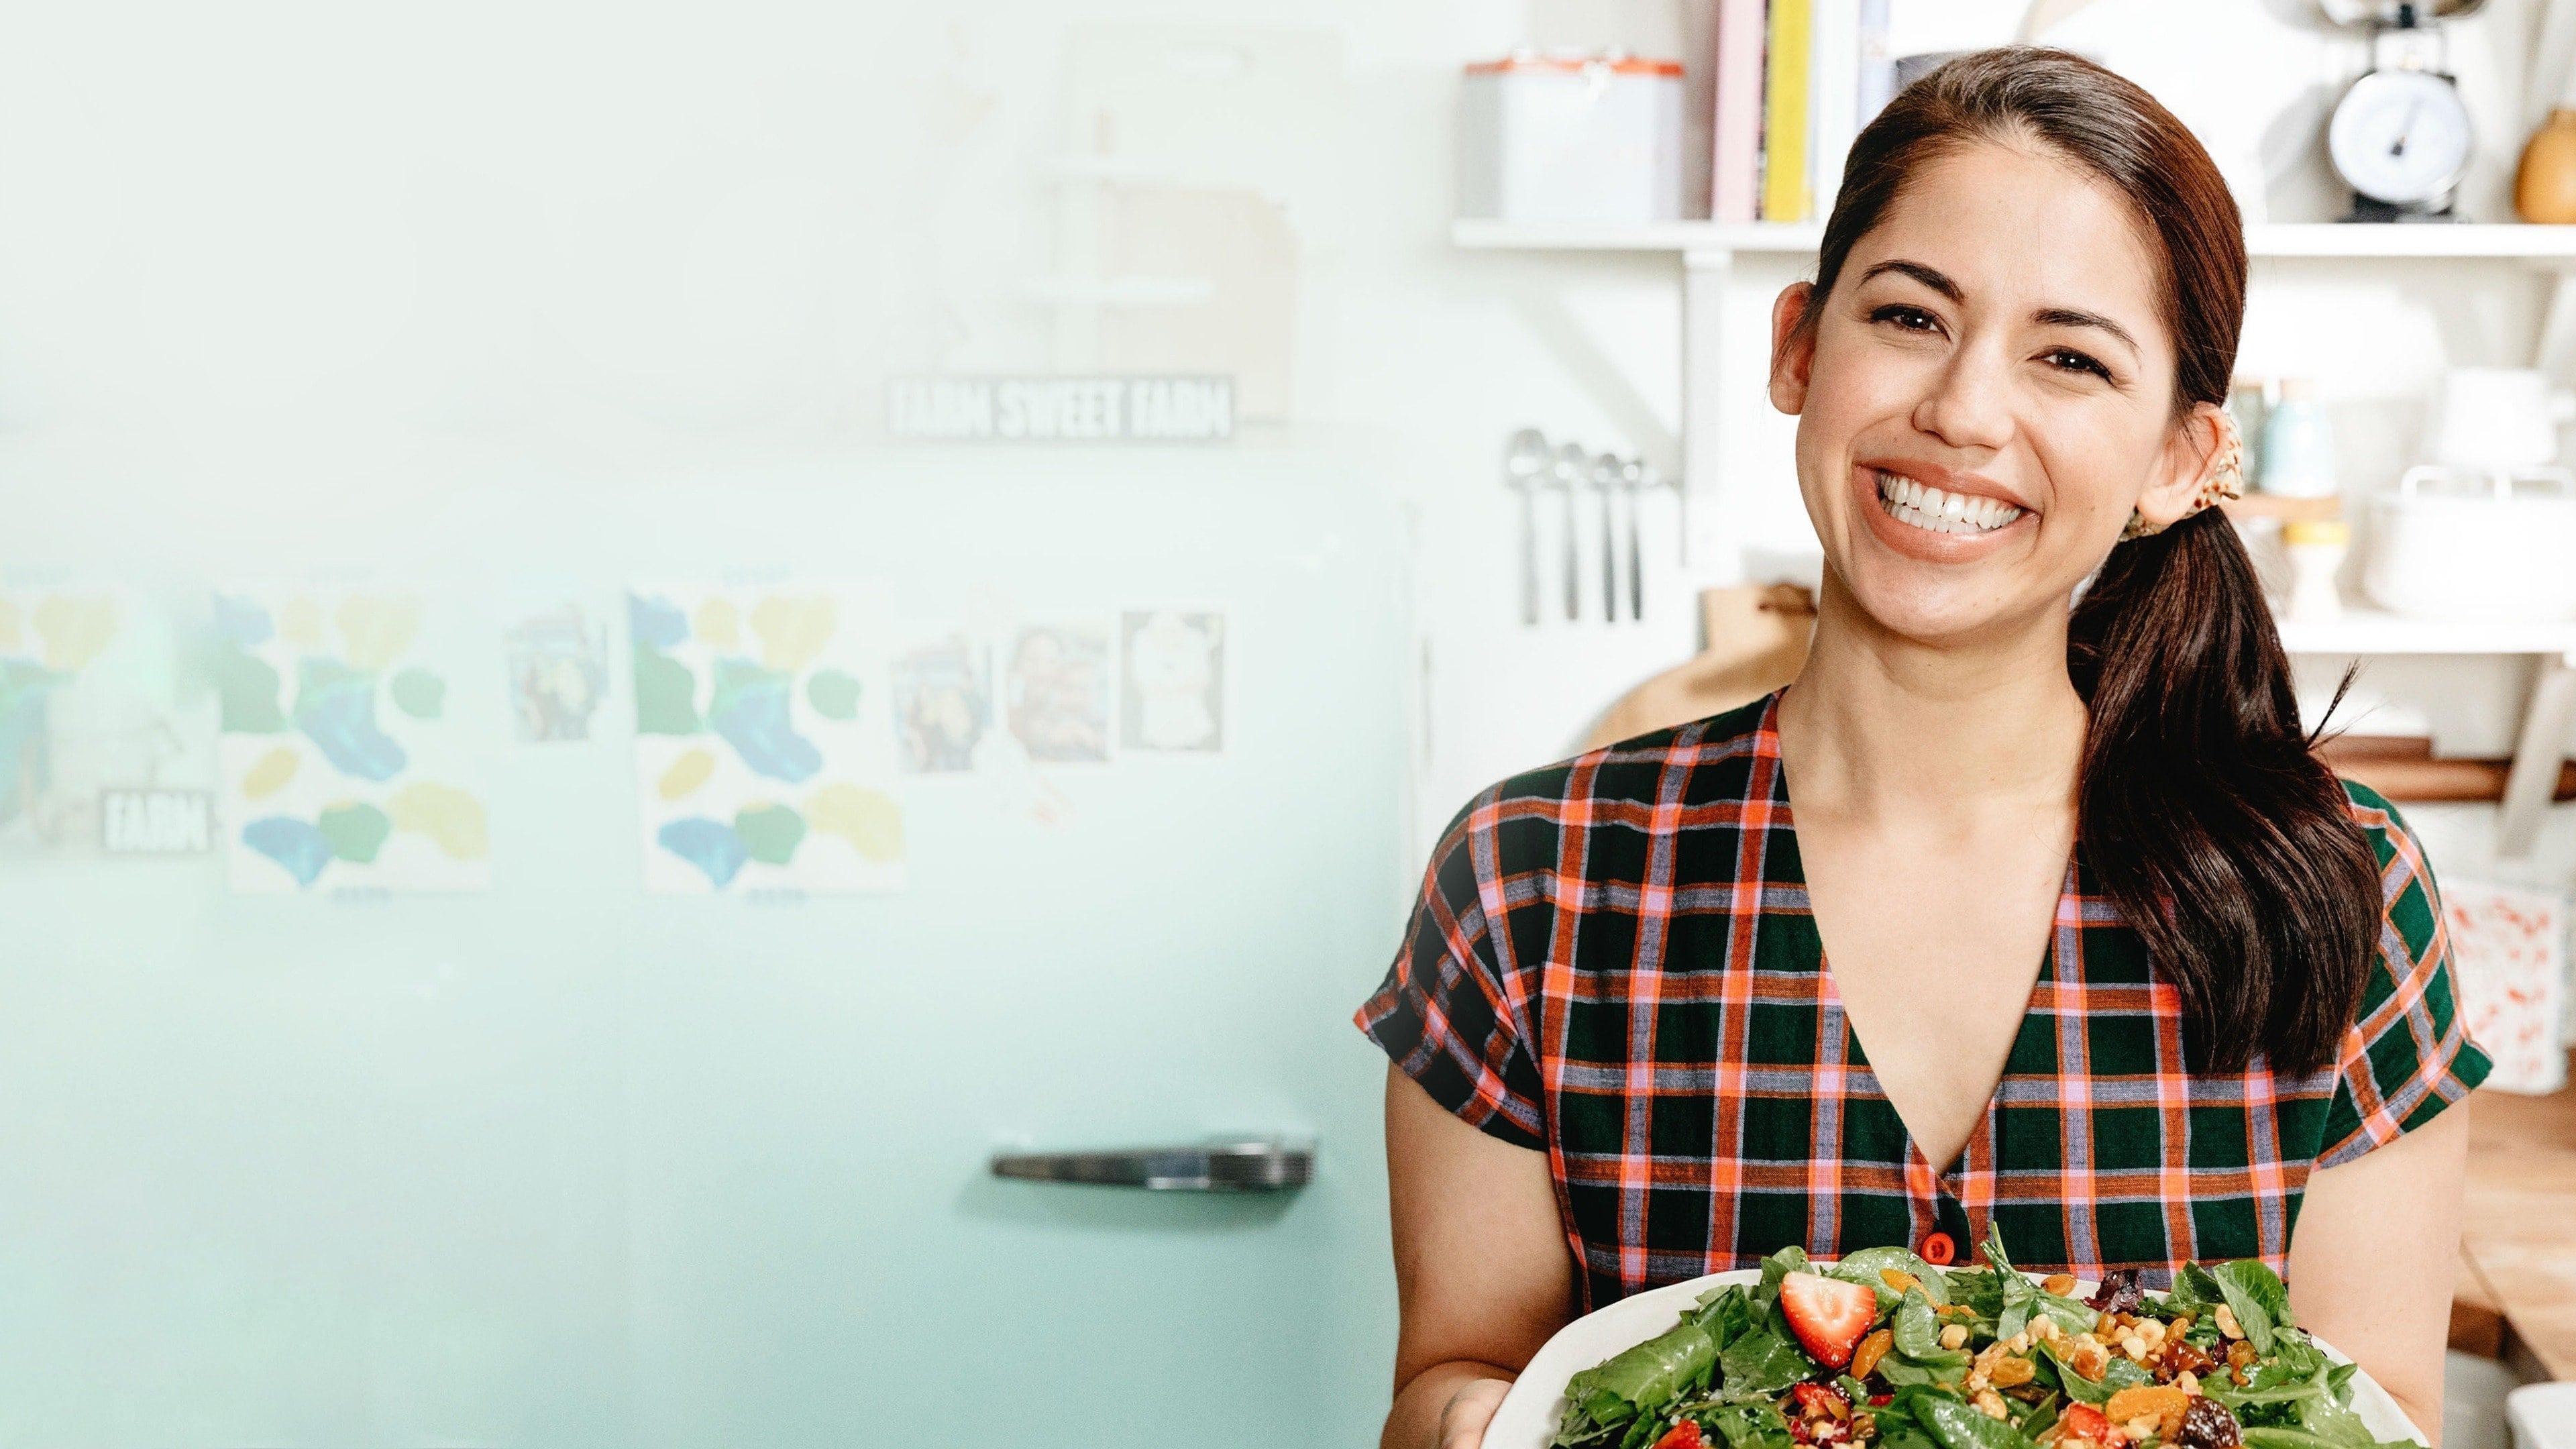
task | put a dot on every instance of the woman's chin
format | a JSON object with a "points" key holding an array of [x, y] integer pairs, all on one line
{"points": [[1934, 606]]}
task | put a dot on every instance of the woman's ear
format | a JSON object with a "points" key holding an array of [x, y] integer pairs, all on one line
{"points": [[2184, 468], [1793, 353]]}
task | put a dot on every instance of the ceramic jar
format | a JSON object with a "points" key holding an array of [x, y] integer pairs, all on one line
{"points": [[2544, 189]]}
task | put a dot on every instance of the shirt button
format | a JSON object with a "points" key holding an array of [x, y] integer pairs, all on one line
{"points": [[1939, 1251]]}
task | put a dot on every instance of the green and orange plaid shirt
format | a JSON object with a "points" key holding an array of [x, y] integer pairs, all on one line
{"points": [[1613, 961]]}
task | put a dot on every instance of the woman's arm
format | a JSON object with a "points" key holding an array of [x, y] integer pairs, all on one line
{"points": [[2375, 1255], [1482, 1274]]}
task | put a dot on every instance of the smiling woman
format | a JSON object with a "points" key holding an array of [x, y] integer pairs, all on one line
{"points": [[2117, 968]]}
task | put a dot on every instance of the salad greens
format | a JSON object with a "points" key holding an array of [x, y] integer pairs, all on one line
{"points": [[1980, 1357]]}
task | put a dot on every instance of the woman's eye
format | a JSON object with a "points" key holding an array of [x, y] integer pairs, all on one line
{"points": [[1912, 319], [2067, 359]]}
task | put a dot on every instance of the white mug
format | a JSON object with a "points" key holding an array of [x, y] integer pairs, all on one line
{"points": [[2496, 419]]}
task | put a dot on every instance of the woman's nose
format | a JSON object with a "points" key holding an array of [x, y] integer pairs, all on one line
{"points": [[1969, 404]]}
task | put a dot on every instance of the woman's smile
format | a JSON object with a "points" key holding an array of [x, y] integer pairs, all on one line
{"points": [[1911, 501], [1922, 519]]}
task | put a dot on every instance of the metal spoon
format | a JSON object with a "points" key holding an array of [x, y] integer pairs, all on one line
{"points": [[1572, 463], [1632, 480], [1605, 481], [1525, 457]]}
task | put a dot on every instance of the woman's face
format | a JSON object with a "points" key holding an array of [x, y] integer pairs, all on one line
{"points": [[1986, 396]]}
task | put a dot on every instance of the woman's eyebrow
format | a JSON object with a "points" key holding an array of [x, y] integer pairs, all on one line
{"points": [[2071, 317], [1940, 282], [1931, 277]]}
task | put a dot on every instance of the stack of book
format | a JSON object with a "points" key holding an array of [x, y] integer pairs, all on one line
{"points": [[1795, 80]]}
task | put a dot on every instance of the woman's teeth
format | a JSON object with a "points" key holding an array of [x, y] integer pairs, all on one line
{"points": [[1927, 507]]}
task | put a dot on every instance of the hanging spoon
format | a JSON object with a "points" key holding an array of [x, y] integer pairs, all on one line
{"points": [[1605, 481], [1632, 479]]}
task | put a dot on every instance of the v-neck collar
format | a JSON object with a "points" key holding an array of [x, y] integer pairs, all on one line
{"points": [[1976, 1158]]}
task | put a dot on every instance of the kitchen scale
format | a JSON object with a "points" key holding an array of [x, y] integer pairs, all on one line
{"points": [[2400, 137]]}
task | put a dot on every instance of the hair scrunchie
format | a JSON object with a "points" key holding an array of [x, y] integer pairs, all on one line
{"points": [[2226, 480]]}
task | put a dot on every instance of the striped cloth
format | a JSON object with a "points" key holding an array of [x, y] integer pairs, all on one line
{"points": [[1613, 961]]}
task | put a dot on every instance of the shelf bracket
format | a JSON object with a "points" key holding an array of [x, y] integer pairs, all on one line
{"points": [[2557, 347], [1705, 274], [2533, 780]]}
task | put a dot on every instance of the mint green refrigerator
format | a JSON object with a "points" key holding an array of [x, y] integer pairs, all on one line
{"points": [[786, 949]]}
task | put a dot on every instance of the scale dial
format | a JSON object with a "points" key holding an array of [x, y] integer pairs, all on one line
{"points": [[2401, 136]]}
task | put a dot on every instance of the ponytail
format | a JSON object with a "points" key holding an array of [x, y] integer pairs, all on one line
{"points": [[2213, 827]]}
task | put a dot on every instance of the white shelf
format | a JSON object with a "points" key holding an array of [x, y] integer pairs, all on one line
{"points": [[2453, 241], [2369, 631]]}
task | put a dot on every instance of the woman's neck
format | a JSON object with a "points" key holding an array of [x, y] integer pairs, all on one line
{"points": [[1877, 723]]}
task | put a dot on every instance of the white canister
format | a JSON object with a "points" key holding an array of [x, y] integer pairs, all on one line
{"points": [[2448, 546], [1571, 137]]}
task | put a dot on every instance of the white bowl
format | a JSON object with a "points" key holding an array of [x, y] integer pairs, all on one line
{"points": [[1536, 1405]]}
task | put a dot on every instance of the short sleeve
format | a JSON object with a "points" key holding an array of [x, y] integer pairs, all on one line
{"points": [[2408, 1055], [1451, 1014]]}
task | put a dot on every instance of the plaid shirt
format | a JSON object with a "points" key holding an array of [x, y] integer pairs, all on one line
{"points": [[1613, 960]]}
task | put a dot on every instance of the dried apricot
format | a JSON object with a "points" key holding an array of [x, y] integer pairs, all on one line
{"points": [[2161, 1403], [1871, 1350], [2145, 1400], [2060, 1284], [1898, 1279]]}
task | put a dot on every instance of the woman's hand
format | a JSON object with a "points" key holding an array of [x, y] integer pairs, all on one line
{"points": [[1464, 1417]]}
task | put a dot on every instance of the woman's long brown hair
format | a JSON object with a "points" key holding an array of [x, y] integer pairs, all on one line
{"points": [[2203, 811]]}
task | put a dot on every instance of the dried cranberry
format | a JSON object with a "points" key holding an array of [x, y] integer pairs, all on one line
{"points": [[2206, 1424], [2182, 1356], [2119, 1293]]}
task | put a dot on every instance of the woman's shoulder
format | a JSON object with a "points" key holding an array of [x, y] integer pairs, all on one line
{"points": [[2408, 1053], [2413, 950], [2392, 840]]}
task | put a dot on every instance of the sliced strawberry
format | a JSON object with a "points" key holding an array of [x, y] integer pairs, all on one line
{"points": [[2083, 1421], [1684, 1435], [1829, 1315], [1820, 1399]]}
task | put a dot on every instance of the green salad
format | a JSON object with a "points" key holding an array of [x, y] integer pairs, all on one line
{"points": [[1882, 1349]]}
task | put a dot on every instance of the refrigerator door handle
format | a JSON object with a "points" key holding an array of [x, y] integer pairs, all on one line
{"points": [[1260, 1165]]}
